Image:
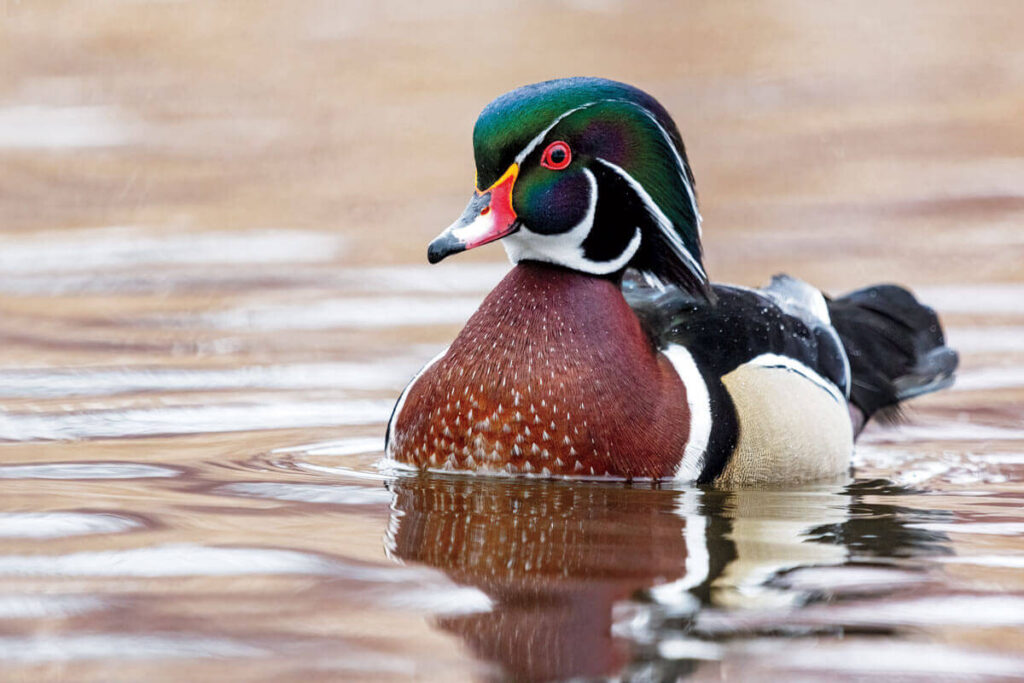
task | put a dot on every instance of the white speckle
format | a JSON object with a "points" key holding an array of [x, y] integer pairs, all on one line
{"points": [[545, 436]]}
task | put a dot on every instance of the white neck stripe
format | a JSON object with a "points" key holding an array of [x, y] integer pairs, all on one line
{"points": [[698, 402], [664, 224]]}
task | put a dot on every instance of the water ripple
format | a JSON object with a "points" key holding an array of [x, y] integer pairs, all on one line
{"points": [[87, 470], [310, 493], [119, 423], [62, 524]]}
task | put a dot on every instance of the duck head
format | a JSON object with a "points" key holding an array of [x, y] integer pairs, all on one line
{"points": [[584, 173]]}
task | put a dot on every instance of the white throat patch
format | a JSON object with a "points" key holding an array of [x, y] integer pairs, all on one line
{"points": [[566, 248]]}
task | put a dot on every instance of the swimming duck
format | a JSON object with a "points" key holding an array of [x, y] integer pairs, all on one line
{"points": [[607, 352]]}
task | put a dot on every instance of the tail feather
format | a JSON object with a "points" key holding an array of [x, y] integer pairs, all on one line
{"points": [[896, 348]]}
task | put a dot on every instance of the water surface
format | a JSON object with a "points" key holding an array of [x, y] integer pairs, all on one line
{"points": [[212, 288]]}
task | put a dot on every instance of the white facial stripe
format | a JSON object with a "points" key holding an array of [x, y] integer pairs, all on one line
{"points": [[682, 168], [699, 403], [566, 248], [772, 360], [664, 224], [401, 401], [540, 136]]}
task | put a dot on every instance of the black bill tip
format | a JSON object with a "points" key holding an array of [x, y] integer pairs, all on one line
{"points": [[445, 245]]}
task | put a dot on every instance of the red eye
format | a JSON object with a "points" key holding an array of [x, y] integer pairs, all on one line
{"points": [[557, 156]]}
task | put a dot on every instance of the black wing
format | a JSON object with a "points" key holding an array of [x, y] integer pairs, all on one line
{"points": [[788, 318]]}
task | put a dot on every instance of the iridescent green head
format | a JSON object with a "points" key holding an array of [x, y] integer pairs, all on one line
{"points": [[586, 173]]}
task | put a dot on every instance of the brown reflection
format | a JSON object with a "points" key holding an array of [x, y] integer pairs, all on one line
{"points": [[553, 557]]}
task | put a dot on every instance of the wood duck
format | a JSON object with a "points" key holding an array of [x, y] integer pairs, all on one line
{"points": [[607, 352]]}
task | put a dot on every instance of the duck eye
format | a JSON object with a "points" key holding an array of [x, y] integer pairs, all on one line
{"points": [[556, 156]]}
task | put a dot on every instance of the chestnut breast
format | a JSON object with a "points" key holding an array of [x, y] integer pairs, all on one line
{"points": [[552, 375]]}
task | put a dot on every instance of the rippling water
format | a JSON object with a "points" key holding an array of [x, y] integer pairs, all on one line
{"points": [[212, 290]]}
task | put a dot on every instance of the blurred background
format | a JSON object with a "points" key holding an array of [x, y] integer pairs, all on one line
{"points": [[213, 283]]}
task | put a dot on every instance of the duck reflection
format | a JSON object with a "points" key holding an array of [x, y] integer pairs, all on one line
{"points": [[558, 559]]}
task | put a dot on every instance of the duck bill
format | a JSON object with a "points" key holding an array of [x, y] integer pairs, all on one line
{"points": [[489, 216]]}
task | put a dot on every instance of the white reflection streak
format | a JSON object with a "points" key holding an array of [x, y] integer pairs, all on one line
{"points": [[352, 312], [135, 248], [53, 383], [62, 524], [188, 559], [85, 470], [974, 299], [47, 127], [311, 493], [190, 420], [117, 646], [698, 561], [14, 606], [356, 446], [169, 560]]}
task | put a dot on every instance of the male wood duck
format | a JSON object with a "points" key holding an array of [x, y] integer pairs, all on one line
{"points": [[606, 351]]}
